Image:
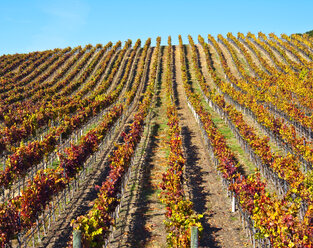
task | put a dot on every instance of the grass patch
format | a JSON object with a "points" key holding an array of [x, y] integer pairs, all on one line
{"points": [[233, 218], [94, 125], [55, 164], [231, 140]]}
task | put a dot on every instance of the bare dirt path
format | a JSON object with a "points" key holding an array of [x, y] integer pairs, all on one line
{"points": [[216, 61], [264, 54], [246, 165], [254, 58], [233, 68], [221, 227], [203, 65], [278, 56], [248, 119], [142, 213], [289, 53], [301, 52], [242, 58]]}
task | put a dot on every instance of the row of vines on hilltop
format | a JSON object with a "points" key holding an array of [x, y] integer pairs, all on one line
{"points": [[260, 85], [180, 216], [95, 226], [21, 212], [289, 208]]}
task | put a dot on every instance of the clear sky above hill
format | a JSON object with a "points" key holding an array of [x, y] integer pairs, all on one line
{"points": [[31, 25]]}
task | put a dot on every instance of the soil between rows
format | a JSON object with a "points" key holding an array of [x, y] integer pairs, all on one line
{"points": [[221, 227]]}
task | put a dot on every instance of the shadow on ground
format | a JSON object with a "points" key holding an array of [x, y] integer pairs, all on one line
{"points": [[138, 235], [198, 195]]}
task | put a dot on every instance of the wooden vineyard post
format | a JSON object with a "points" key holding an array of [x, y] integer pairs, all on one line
{"points": [[59, 207], [72, 189], [33, 236], [49, 214], [77, 236], [43, 224], [4, 160], [69, 191], [233, 204], [64, 198], [194, 237], [53, 209], [38, 230]]}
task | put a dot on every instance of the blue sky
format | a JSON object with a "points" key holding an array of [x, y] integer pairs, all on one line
{"points": [[32, 25]]}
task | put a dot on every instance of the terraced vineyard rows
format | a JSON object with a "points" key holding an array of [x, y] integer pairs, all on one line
{"points": [[130, 146]]}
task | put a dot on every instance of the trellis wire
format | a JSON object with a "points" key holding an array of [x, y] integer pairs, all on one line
{"points": [[281, 185], [82, 176], [5, 194], [59, 202], [246, 220]]}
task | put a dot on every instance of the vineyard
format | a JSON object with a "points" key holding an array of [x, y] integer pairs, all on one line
{"points": [[205, 143]]}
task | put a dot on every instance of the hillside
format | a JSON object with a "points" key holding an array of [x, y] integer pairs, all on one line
{"points": [[133, 145], [309, 32]]}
